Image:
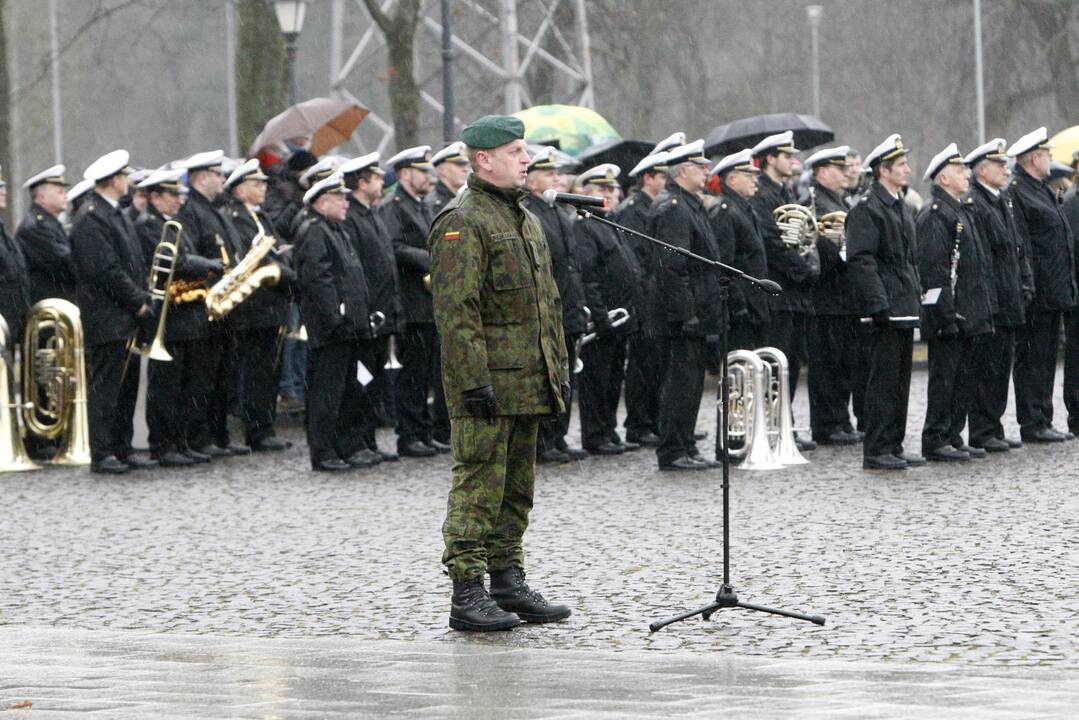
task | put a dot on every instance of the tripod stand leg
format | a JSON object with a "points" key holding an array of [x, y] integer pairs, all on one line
{"points": [[815, 619], [705, 612]]}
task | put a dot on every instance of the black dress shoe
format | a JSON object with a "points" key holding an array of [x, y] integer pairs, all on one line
{"points": [[884, 462], [683, 463], [110, 465], [1013, 443], [330, 465], [234, 449], [946, 453], [136, 462], [839, 437], [417, 449], [574, 453], [975, 453], [607, 448], [364, 458], [702, 460], [995, 445], [438, 445], [700, 435], [553, 455], [804, 445], [628, 445], [213, 452], [912, 460], [196, 456], [388, 456], [1044, 435], [648, 439], [173, 458], [270, 444], [1069, 435]]}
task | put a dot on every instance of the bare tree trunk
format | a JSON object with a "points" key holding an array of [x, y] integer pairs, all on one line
{"points": [[5, 110], [261, 75], [1052, 20], [400, 33]]}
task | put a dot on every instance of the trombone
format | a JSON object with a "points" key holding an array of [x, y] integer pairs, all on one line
{"points": [[162, 267]]}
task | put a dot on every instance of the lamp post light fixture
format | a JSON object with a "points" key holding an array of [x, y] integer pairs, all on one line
{"points": [[814, 13], [290, 16]]}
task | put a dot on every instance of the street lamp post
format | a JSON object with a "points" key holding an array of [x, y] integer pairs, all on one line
{"points": [[290, 15], [814, 13]]}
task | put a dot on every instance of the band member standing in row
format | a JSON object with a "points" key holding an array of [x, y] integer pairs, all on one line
{"points": [[451, 168], [787, 265], [43, 240], [880, 259], [642, 356], [737, 231], [956, 312], [260, 320], [1012, 284], [611, 279], [14, 279], [690, 304], [171, 415], [1047, 233], [333, 304], [113, 300], [837, 367], [558, 228], [363, 177], [422, 431]]}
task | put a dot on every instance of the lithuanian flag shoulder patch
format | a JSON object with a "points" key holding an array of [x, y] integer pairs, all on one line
{"points": [[452, 235]]}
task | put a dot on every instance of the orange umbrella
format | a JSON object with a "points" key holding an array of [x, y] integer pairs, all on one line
{"points": [[327, 121]]}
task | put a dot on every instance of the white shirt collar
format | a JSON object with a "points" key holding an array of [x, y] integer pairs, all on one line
{"points": [[993, 191]]}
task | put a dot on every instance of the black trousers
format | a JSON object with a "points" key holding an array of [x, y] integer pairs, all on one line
{"points": [[600, 388], [682, 365], [956, 368], [421, 375], [170, 391], [257, 353], [334, 397], [111, 398], [836, 361], [1034, 372], [990, 392], [887, 391], [1071, 368], [553, 429], [745, 336], [373, 354], [787, 332], [642, 384], [208, 421]]}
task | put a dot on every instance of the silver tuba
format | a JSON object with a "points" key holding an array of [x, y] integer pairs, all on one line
{"points": [[797, 227], [13, 455], [745, 414], [778, 411]]}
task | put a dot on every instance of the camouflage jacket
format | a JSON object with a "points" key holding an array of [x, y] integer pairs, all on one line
{"points": [[496, 304]]}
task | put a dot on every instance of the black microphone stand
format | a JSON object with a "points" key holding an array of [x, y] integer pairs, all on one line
{"points": [[725, 597]]}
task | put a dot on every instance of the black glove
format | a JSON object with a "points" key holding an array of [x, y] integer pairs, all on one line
{"points": [[950, 330], [215, 267], [480, 402], [880, 319], [692, 326]]}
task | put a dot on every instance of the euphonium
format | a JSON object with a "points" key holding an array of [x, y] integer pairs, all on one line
{"points": [[13, 455], [617, 316], [745, 414], [241, 281], [54, 380], [778, 407], [833, 226], [797, 226], [162, 267]]}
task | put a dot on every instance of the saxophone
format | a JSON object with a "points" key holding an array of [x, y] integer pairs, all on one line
{"points": [[246, 277]]}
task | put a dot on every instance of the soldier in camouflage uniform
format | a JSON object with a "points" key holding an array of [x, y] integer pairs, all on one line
{"points": [[504, 366]]}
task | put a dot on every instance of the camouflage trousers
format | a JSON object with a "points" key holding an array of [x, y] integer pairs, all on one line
{"points": [[494, 475]]}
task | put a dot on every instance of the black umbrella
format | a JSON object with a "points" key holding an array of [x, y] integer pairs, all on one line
{"points": [[809, 132], [623, 153]]}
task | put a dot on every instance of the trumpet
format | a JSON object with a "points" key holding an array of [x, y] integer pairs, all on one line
{"points": [[162, 267], [617, 317], [375, 321], [797, 227]]}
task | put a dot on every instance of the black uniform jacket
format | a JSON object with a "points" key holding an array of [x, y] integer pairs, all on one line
{"points": [[738, 236], [1046, 231], [333, 289], [112, 273], [880, 254], [48, 256], [408, 221], [438, 197], [786, 266], [1012, 279], [610, 275], [284, 199], [375, 250], [832, 293], [14, 286], [209, 231], [633, 213], [560, 232], [944, 225], [686, 288], [268, 306]]}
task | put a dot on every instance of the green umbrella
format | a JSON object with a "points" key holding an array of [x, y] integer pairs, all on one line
{"points": [[576, 128]]}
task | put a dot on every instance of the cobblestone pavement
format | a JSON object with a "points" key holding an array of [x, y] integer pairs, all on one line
{"points": [[971, 566]]}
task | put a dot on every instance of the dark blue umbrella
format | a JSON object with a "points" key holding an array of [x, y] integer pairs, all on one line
{"points": [[809, 132], [623, 153]]}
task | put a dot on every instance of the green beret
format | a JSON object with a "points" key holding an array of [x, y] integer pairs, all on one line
{"points": [[492, 131]]}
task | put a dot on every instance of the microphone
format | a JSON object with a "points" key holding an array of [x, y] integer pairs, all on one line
{"points": [[553, 196], [770, 287]]}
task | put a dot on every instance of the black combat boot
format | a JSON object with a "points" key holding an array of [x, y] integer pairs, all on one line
{"points": [[473, 609], [509, 590]]}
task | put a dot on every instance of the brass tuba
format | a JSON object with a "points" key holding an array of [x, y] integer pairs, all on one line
{"points": [[13, 456], [797, 227], [162, 267], [54, 380]]}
